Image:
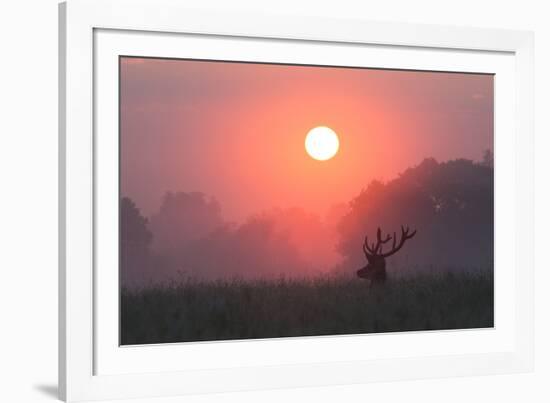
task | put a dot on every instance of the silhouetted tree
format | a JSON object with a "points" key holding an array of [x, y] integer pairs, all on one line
{"points": [[183, 217], [450, 204], [135, 242]]}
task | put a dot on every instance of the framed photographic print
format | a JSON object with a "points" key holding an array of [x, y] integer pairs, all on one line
{"points": [[255, 201]]}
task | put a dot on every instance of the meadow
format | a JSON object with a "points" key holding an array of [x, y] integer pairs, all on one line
{"points": [[191, 310]]}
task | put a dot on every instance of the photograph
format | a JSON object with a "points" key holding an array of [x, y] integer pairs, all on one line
{"points": [[264, 200]]}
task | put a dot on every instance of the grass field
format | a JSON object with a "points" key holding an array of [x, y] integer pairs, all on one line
{"points": [[224, 310]]}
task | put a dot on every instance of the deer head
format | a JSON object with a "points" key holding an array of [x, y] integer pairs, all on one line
{"points": [[375, 270]]}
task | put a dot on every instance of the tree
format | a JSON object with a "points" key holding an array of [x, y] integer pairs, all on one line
{"points": [[450, 204], [133, 226], [183, 217], [135, 242]]}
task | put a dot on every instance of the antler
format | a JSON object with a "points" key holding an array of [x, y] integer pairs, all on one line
{"points": [[404, 236], [375, 249]]}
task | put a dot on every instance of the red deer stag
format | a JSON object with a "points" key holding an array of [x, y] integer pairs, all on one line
{"points": [[375, 270]]}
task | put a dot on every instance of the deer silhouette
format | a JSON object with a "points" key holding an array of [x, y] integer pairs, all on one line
{"points": [[375, 270]]}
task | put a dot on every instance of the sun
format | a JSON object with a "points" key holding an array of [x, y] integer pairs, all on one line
{"points": [[322, 143]]}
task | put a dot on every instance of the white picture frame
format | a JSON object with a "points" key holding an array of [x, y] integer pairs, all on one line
{"points": [[91, 364]]}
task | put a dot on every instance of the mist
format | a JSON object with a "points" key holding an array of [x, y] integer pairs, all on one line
{"points": [[450, 204]]}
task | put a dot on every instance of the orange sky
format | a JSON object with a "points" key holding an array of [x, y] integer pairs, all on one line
{"points": [[236, 131]]}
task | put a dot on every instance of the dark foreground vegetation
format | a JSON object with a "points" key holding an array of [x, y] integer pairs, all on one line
{"points": [[225, 310]]}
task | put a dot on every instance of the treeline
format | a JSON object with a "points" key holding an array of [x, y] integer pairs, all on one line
{"points": [[188, 237], [449, 203]]}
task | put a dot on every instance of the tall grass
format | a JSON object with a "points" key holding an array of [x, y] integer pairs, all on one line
{"points": [[191, 310]]}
